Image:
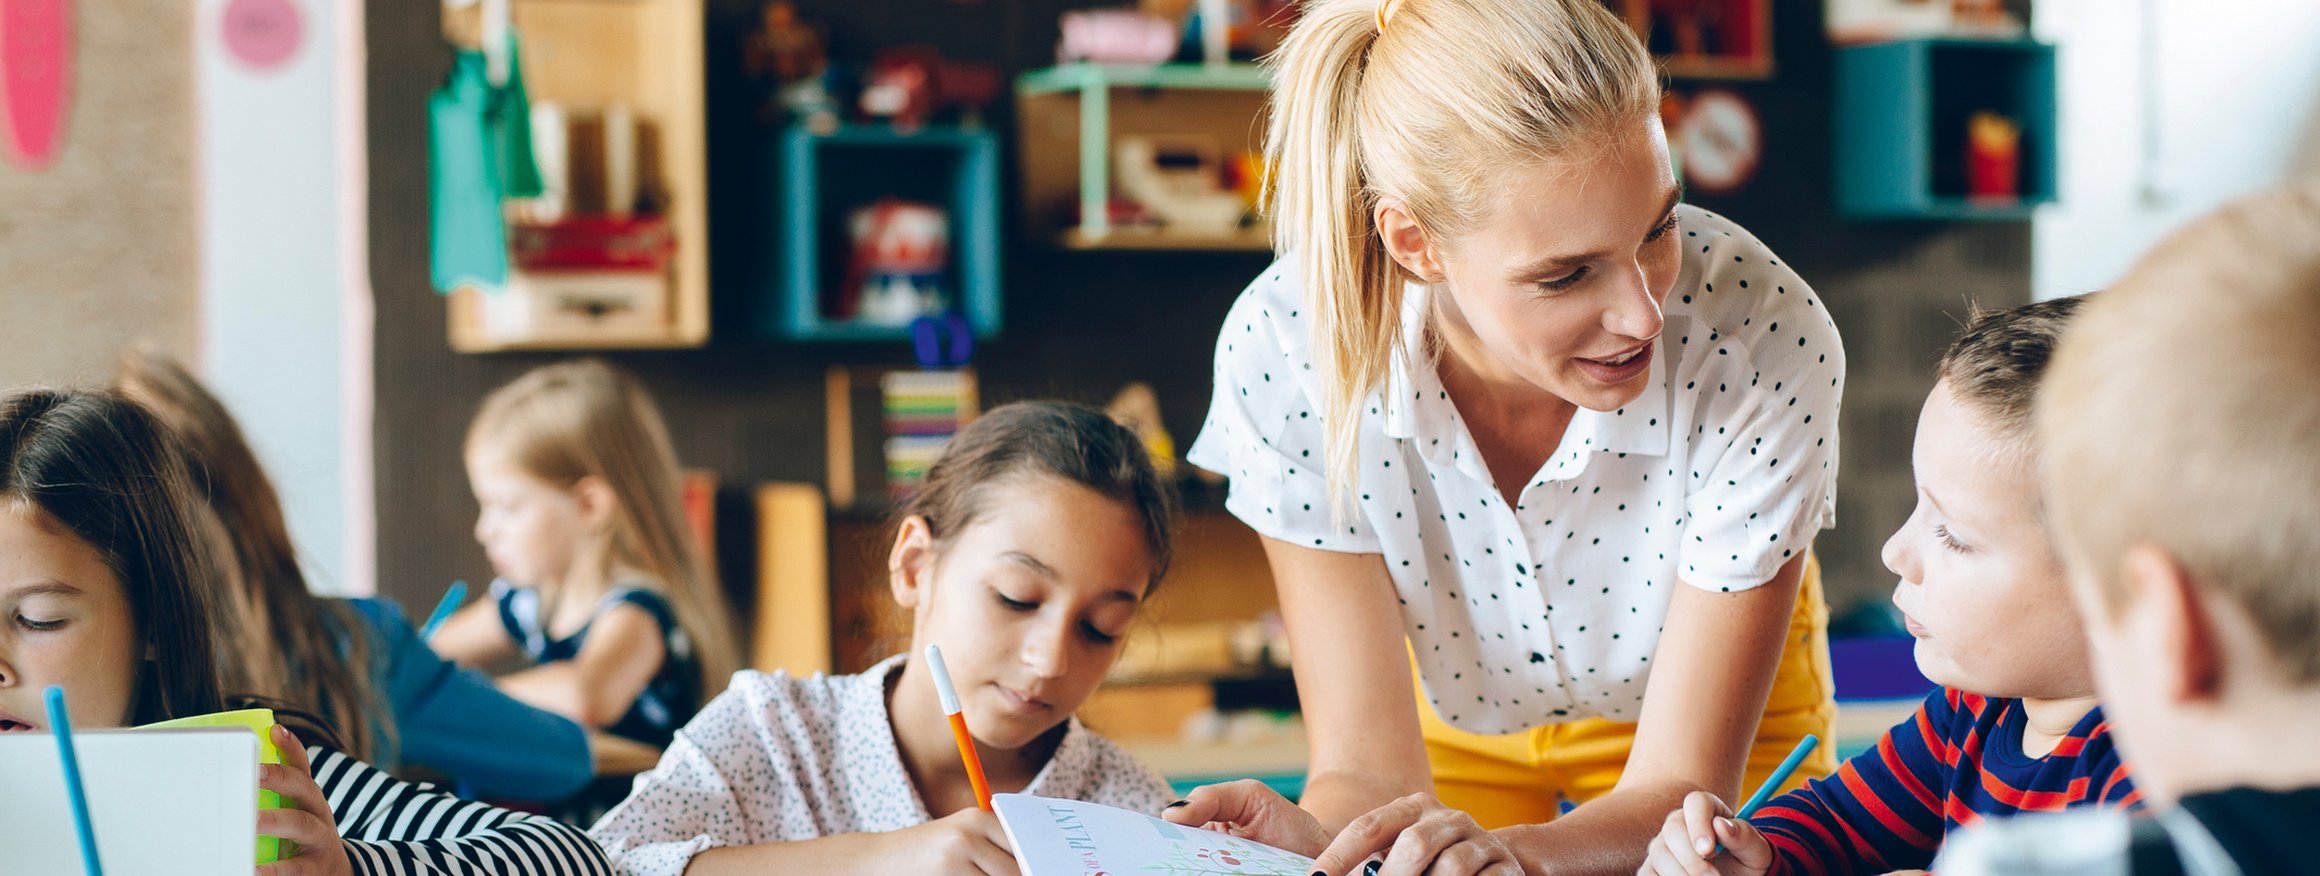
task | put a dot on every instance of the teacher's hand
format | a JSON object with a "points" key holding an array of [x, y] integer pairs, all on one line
{"points": [[1417, 834], [1251, 810]]}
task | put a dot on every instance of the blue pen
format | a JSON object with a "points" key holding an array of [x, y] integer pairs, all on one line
{"points": [[451, 600], [60, 724], [1778, 778]]}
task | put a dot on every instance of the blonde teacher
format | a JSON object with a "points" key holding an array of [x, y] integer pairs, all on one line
{"points": [[1508, 412]]}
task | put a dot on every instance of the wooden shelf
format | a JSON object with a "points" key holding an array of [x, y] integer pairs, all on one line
{"points": [[1068, 117], [1081, 76], [825, 176], [1742, 50], [1249, 239], [648, 56]]}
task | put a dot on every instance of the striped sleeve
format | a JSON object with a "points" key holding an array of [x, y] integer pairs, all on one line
{"points": [[391, 828], [2112, 781], [1881, 811]]}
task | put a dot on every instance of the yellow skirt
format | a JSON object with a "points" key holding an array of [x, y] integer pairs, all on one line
{"points": [[1525, 777]]}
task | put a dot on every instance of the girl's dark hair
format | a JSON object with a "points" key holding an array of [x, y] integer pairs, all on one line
{"points": [[317, 662], [101, 467], [1055, 439]]}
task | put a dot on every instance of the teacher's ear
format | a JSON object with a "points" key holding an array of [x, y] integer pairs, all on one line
{"points": [[1407, 241]]}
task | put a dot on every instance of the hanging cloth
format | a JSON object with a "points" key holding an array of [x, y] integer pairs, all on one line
{"points": [[479, 153]]}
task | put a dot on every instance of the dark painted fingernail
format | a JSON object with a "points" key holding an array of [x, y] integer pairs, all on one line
{"points": [[1372, 868], [1176, 804], [1319, 873]]}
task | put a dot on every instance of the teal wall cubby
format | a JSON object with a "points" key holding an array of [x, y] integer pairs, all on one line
{"points": [[1900, 120], [825, 176]]}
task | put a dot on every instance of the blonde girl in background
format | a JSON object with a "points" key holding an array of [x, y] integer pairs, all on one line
{"points": [[1508, 413], [1026, 556], [601, 585]]}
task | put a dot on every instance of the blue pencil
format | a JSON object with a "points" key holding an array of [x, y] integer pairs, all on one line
{"points": [[451, 600], [1778, 778], [60, 724]]}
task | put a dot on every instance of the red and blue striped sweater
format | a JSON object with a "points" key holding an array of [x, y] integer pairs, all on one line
{"points": [[1957, 760]]}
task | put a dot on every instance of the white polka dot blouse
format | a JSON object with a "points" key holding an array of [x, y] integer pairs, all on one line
{"points": [[777, 758], [1549, 610]]}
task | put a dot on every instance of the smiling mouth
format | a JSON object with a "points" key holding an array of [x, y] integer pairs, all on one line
{"points": [[1620, 368], [1623, 358]]}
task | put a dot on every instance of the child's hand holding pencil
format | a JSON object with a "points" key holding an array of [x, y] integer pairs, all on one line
{"points": [[1706, 838]]}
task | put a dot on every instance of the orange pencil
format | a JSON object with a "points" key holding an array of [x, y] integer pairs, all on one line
{"points": [[952, 710]]}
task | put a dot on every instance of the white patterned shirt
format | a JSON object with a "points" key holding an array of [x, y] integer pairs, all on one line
{"points": [[1549, 610], [777, 758]]}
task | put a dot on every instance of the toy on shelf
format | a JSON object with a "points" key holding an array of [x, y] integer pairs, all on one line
{"points": [[787, 67], [1115, 36], [1703, 39], [901, 251], [1137, 407], [923, 410], [1993, 158], [907, 86], [1181, 179], [1855, 22]]}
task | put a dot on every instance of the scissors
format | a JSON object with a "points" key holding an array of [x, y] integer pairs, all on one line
{"points": [[927, 334]]}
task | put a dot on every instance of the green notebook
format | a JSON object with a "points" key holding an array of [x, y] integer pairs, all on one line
{"points": [[261, 722]]}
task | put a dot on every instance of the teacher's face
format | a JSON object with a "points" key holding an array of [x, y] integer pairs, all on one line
{"points": [[1561, 286]]}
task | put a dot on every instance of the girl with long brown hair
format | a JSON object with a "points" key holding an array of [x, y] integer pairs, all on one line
{"points": [[109, 589], [355, 662]]}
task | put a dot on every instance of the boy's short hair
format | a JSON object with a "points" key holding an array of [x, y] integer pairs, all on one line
{"points": [[1995, 365], [2181, 412]]}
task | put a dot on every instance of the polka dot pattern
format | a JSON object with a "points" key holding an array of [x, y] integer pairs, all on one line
{"points": [[778, 758], [1549, 609]]}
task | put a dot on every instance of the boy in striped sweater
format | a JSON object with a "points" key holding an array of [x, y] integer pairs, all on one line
{"points": [[2014, 727], [2186, 492]]}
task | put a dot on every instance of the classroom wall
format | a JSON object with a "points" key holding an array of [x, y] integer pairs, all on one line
{"points": [[97, 251], [281, 147], [1077, 324], [2169, 108]]}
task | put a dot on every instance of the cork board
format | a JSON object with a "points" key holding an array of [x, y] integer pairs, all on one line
{"points": [[100, 250]]}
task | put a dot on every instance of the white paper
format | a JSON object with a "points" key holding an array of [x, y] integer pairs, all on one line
{"points": [[165, 803], [1070, 838]]}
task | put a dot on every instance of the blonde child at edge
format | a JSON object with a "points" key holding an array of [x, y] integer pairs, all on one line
{"points": [[2182, 465], [601, 582], [1026, 556]]}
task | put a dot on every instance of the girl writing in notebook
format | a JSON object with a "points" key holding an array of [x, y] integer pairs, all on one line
{"points": [[1038, 535], [109, 586], [355, 662], [601, 583]]}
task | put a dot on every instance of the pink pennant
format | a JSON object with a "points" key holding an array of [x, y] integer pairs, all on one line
{"points": [[35, 77]]}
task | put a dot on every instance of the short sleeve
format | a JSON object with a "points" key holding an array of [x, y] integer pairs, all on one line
{"points": [[1764, 452], [1263, 431], [519, 614], [690, 802]]}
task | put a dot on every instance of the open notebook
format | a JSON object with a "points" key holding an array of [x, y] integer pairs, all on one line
{"points": [[1069, 838], [174, 802]]}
